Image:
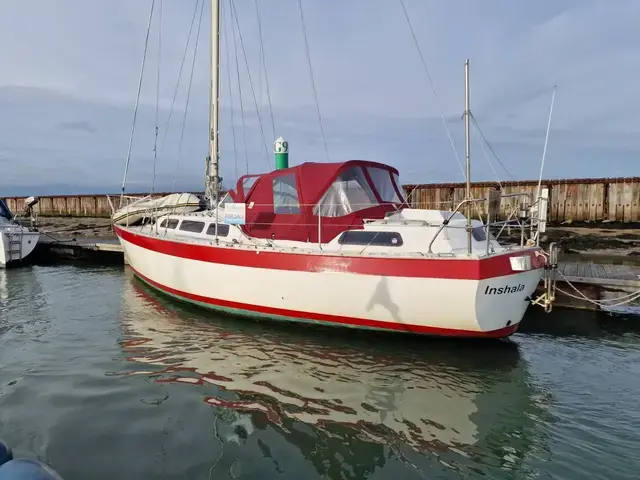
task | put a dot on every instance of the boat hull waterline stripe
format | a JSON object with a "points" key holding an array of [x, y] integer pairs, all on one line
{"points": [[445, 268], [298, 316]]}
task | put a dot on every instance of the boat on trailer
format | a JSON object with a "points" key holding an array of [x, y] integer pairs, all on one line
{"points": [[337, 244]]}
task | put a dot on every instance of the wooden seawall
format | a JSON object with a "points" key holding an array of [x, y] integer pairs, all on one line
{"points": [[613, 199], [594, 199]]}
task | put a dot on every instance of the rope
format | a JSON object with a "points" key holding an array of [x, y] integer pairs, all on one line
{"points": [[186, 108], [311, 76], [621, 300], [135, 110]]}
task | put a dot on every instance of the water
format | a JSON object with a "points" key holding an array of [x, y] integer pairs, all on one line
{"points": [[103, 379]]}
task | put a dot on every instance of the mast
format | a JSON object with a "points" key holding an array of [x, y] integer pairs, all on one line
{"points": [[467, 132], [212, 180]]}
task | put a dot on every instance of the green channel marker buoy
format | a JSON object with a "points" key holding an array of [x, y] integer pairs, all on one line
{"points": [[281, 150]]}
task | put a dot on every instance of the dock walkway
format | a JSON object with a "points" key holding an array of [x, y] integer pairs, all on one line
{"points": [[603, 275]]}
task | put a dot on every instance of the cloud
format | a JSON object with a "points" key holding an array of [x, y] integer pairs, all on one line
{"points": [[68, 85]]}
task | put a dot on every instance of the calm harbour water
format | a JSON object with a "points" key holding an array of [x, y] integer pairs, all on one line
{"points": [[104, 379]]}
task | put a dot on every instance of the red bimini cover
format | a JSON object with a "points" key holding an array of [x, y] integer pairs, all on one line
{"points": [[288, 204]]}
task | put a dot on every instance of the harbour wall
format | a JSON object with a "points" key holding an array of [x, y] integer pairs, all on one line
{"points": [[591, 199]]}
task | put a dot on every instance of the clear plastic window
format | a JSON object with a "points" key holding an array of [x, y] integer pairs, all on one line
{"points": [[382, 182], [248, 182], [285, 194], [349, 193], [396, 180]]}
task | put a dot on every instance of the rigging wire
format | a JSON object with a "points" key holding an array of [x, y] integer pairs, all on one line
{"points": [[186, 108], [175, 92], [311, 76], [263, 65], [233, 126], [475, 122], [155, 140], [253, 92], [237, 63], [486, 157], [135, 110], [426, 70]]}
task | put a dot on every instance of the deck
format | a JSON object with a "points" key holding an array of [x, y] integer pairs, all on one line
{"points": [[603, 275]]}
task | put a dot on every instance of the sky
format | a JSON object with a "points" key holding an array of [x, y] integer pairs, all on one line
{"points": [[70, 73]]}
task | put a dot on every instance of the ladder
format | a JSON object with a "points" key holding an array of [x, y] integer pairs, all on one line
{"points": [[14, 247], [548, 296]]}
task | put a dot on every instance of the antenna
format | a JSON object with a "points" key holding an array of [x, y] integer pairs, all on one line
{"points": [[546, 141]]}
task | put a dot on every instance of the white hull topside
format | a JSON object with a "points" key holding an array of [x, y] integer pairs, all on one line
{"points": [[482, 296], [13, 253]]}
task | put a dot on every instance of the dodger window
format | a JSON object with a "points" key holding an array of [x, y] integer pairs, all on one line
{"points": [[285, 194], [381, 179], [349, 193]]}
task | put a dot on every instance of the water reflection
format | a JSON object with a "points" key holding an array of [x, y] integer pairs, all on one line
{"points": [[20, 290], [344, 399]]}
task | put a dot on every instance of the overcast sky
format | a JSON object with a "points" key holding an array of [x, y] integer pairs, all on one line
{"points": [[70, 69]]}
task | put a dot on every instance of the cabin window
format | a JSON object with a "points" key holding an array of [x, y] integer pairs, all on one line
{"points": [[223, 229], [349, 193], [285, 194], [363, 237], [382, 182], [192, 226], [169, 223]]}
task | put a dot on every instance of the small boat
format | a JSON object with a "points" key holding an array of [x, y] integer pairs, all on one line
{"points": [[148, 207], [17, 241]]}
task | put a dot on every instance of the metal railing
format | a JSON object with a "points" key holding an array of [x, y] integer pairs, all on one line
{"points": [[520, 219]]}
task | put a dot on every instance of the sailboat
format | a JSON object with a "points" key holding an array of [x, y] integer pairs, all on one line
{"points": [[335, 244]]}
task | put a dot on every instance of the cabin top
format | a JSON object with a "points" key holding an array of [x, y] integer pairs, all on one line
{"points": [[312, 199]]}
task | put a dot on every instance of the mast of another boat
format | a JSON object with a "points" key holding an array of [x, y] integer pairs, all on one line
{"points": [[467, 114], [213, 178]]}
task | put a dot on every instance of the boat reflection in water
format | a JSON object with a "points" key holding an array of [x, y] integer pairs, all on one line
{"points": [[356, 390]]}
